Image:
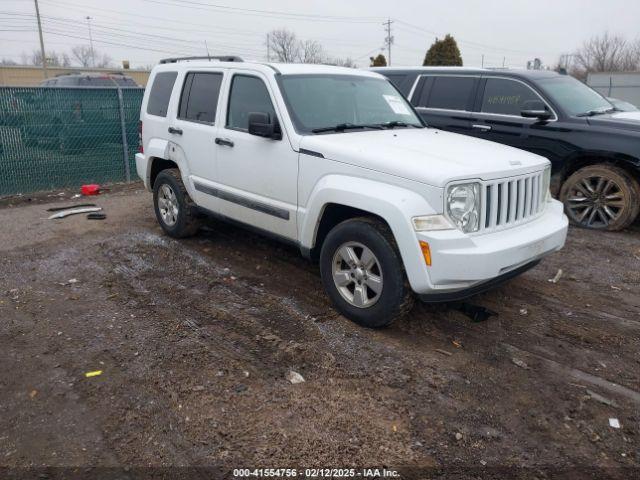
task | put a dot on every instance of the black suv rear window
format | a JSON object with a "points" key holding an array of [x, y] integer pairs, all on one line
{"points": [[199, 98], [161, 93], [451, 93]]}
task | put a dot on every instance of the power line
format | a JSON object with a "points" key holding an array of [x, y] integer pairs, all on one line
{"points": [[459, 40], [137, 35], [266, 13], [71, 25]]}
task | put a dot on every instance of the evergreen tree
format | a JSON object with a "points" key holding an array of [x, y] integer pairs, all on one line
{"points": [[443, 52], [379, 61]]}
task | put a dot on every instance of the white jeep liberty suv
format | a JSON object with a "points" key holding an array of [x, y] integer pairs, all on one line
{"points": [[336, 161]]}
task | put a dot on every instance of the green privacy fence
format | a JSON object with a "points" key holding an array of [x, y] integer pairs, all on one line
{"points": [[63, 137]]}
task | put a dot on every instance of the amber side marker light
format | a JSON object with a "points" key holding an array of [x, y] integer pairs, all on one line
{"points": [[426, 252]]}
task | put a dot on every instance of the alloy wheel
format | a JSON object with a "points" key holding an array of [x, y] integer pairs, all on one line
{"points": [[168, 205], [595, 201], [357, 274]]}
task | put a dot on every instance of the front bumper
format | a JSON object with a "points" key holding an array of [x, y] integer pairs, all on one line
{"points": [[462, 262], [478, 288]]}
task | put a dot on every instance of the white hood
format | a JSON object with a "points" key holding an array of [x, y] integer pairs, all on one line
{"points": [[427, 155]]}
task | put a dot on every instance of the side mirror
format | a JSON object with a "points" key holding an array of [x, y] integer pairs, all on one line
{"points": [[261, 125], [535, 109]]}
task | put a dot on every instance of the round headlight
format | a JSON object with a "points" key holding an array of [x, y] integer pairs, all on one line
{"points": [[462, 206]]}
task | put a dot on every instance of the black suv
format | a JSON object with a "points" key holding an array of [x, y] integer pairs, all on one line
{"points": [[593, 147]]}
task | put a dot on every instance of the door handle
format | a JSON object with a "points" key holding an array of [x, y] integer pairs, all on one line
{"points": [[482, 128], [224, 141], [176, 131]]}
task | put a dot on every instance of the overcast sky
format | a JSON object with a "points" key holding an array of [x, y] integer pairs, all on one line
{"points": [[144, 31]]}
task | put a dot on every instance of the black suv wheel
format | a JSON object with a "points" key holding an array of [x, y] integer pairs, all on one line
{"points": [[602, 197], [363, 274], [174, 209]]}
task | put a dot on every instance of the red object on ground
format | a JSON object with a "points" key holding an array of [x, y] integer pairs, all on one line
{"points": [[92, 189]]}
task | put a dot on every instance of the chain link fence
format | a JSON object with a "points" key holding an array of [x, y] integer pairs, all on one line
{"points": [[63, 137]]}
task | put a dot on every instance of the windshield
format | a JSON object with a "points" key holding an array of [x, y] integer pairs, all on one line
{"points": [[319, 103], [573, 96]]}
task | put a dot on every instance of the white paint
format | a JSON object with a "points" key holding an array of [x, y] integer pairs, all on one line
{"points": [[397, 174]]}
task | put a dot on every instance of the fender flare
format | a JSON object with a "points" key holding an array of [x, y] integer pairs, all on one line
{"points": [[394, 204], [586, 157], [166, 150]]}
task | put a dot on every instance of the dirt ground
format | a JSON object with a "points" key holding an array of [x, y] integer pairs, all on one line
{"points": [[194, 339]]}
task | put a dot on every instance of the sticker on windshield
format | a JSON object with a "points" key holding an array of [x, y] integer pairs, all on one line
{"points": [[397, 105]]}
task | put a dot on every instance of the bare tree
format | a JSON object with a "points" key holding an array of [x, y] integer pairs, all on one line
{"points": [[54, 59], [311, 51], [88, 57], [286, 48], [284, 45], [632, 56], [104, 61], [606, 53], [342, 62], [83, 55]]}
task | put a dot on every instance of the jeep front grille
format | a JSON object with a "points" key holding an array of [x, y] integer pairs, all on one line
{"points": [[511, 201]]}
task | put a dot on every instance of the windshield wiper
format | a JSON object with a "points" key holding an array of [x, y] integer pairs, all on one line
{"points": [[592, 113], [398, 123], [341, 127]]}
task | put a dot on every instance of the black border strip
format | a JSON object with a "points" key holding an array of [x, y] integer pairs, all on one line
{"points": [[311, 152], [244, 201], [476, 289]]}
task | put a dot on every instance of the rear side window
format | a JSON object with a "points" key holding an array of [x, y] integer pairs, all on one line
{"points": [[248, 95], [506, 97], [161, 93], [451, 93], [199, 98]]}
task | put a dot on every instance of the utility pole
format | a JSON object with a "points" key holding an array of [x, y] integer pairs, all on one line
{"points": [[389, 40], [483, 60], [268, 48], [206, 47], [93, 53], [42, 52]]}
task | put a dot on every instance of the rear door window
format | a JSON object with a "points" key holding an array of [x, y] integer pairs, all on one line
{"points": [[160, 93], [199, 99], [506, 97], [449, 92]]}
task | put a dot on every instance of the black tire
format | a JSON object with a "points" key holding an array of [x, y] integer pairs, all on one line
{"points": [[601, 197], [395, 299], [187, 221]]}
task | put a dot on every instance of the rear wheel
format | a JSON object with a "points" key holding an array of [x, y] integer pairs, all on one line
{"points": [[174, 208], [363, 274], [601, 197]]}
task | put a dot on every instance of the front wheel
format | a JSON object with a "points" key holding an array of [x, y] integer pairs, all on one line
{"points": [[363, 274], [174, 208], [601, 197]]}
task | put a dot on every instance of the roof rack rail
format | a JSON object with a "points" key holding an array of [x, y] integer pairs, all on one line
{"points": [[221, 58]]}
